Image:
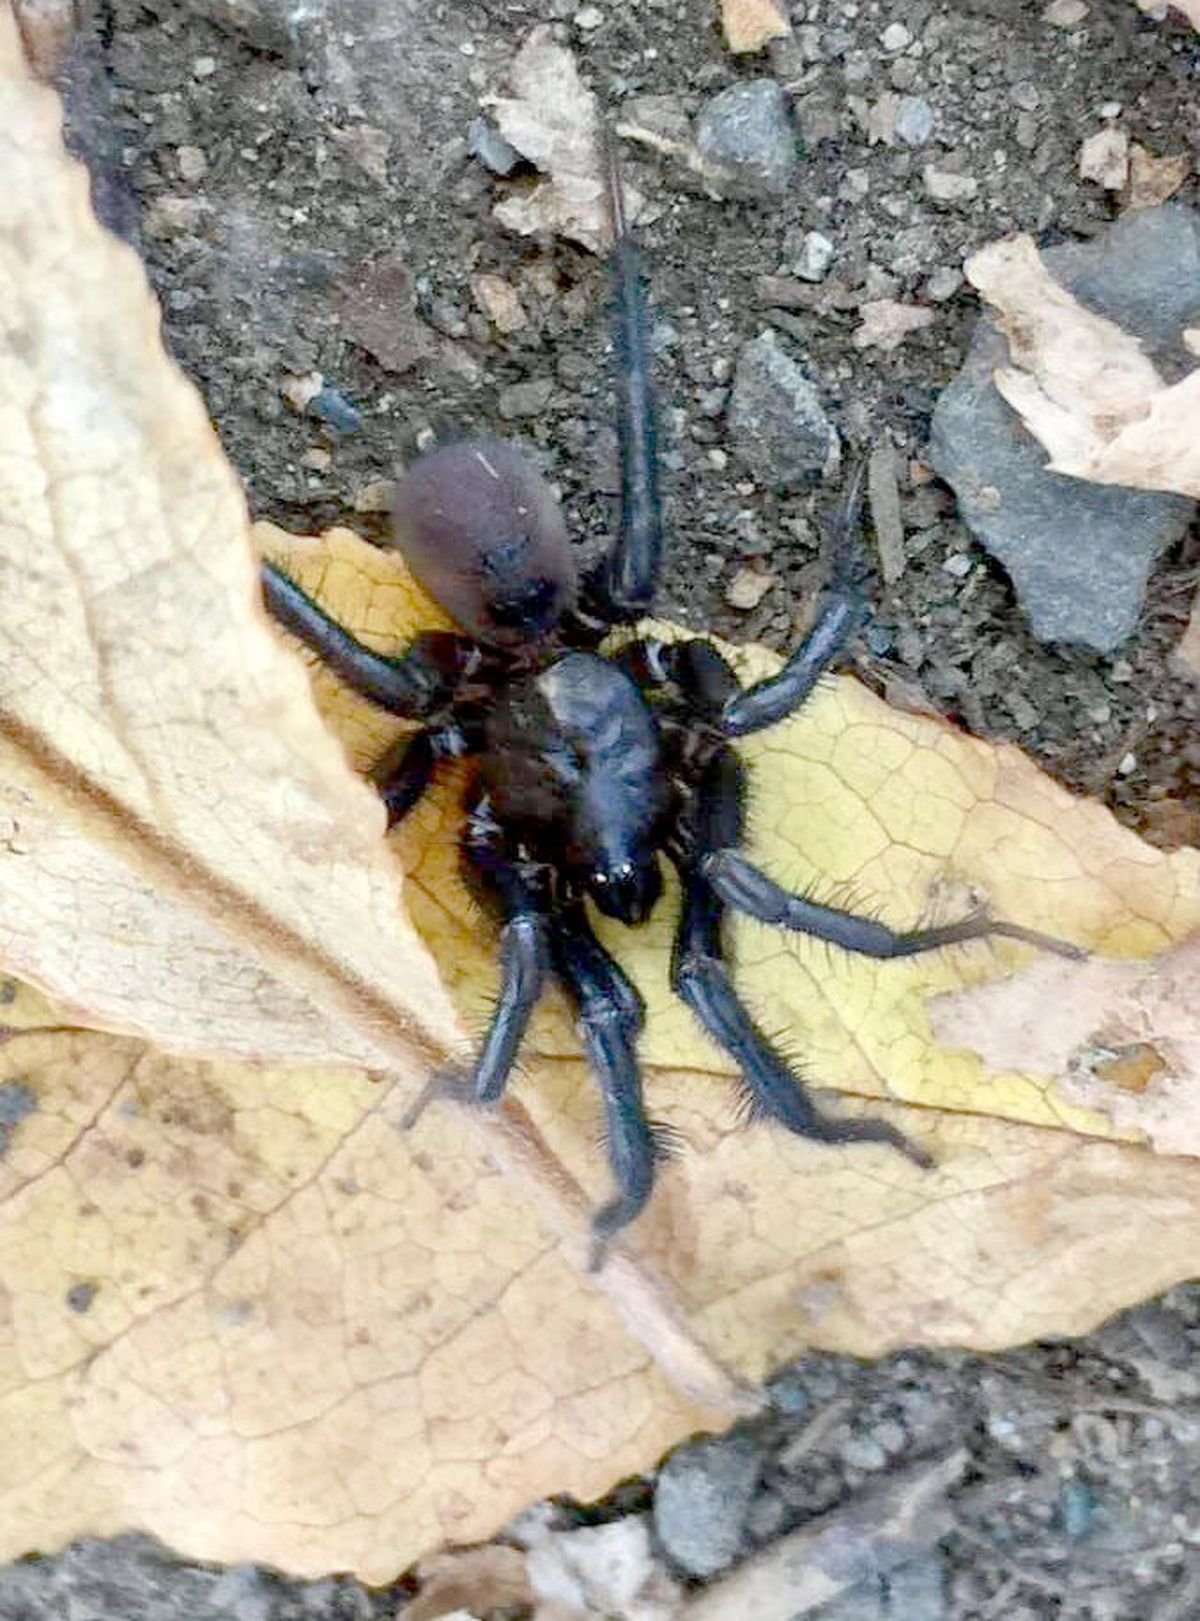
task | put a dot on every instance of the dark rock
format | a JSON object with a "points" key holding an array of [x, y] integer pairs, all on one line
{"points": [[702, 1501], [379, 313], [335, 410], [776, 420], [1079, 553], [485, 142], [747, 141]]}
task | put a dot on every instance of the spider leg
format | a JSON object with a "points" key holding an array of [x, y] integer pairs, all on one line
{"points": [[415, 684], [700, 976], [610, 1015], [518, 892], [843, 607], [740, 884], [621, 588], [403, 774]]}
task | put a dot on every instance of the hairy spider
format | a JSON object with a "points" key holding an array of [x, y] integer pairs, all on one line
{"points": [[586, 767]]}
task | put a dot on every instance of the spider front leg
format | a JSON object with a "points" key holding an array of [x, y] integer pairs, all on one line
{"points": [[610, 1016], [621, 588], [700, 976], [416, 684], [842, 609]]}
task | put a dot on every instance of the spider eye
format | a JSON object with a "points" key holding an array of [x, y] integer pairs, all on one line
{"points": [[627, 891]]}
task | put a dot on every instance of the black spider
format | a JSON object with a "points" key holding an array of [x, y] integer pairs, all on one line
{"points": [[587, 766]]}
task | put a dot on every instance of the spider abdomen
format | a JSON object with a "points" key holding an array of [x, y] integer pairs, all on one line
{"points": [[481, 530], [573, 761]]}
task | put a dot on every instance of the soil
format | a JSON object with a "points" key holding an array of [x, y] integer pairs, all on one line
{"points": [[261, 170]]}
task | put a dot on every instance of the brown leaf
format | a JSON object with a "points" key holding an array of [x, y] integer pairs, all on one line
{"points": [[1082, 384], [1152, 180], [553, 120]]}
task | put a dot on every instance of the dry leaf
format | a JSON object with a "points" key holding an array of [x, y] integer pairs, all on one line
{"points": [[1152, 180], [553, 120], [1082, 384], [1186, 8], [237, 1308], [1120, 1037], [173, 814], [751, 24]]}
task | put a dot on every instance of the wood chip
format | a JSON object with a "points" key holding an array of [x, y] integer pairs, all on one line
{"points": [[884, 491]]}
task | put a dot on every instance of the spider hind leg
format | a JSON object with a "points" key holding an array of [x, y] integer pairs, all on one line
{"points": [[610, 1015], [701, 977]]}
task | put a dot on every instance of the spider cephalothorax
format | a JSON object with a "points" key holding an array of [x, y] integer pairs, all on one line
{"points": [[588, 770]]}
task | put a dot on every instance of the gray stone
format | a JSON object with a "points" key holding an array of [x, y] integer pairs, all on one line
{"points": [[135, 1578], [915, 1591], [1079, 554], [914, 120], [776, 420], [702, 1500], [485, 143], [746, 140]]}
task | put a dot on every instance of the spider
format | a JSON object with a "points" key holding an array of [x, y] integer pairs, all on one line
{"points": [[587, 767]]}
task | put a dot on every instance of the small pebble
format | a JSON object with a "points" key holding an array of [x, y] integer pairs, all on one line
{"points": [[914, 120], [1065, 13], [499, 301], [1128, 764], [193, 165], [527, 399], [815, 258], [958, 565], [588, 17], [943, 283], [861, 1452], [747, 588], [375, 497], [886, 323], [332, 406], [300, 392], [945, 187], [488, 146], [204, 67], [317, 459], [895, 37]]}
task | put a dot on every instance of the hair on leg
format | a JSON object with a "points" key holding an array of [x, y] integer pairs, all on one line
{"points": [[743, 886]]}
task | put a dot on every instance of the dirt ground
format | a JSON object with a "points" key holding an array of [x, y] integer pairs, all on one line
{"points": [[262, 167]]}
